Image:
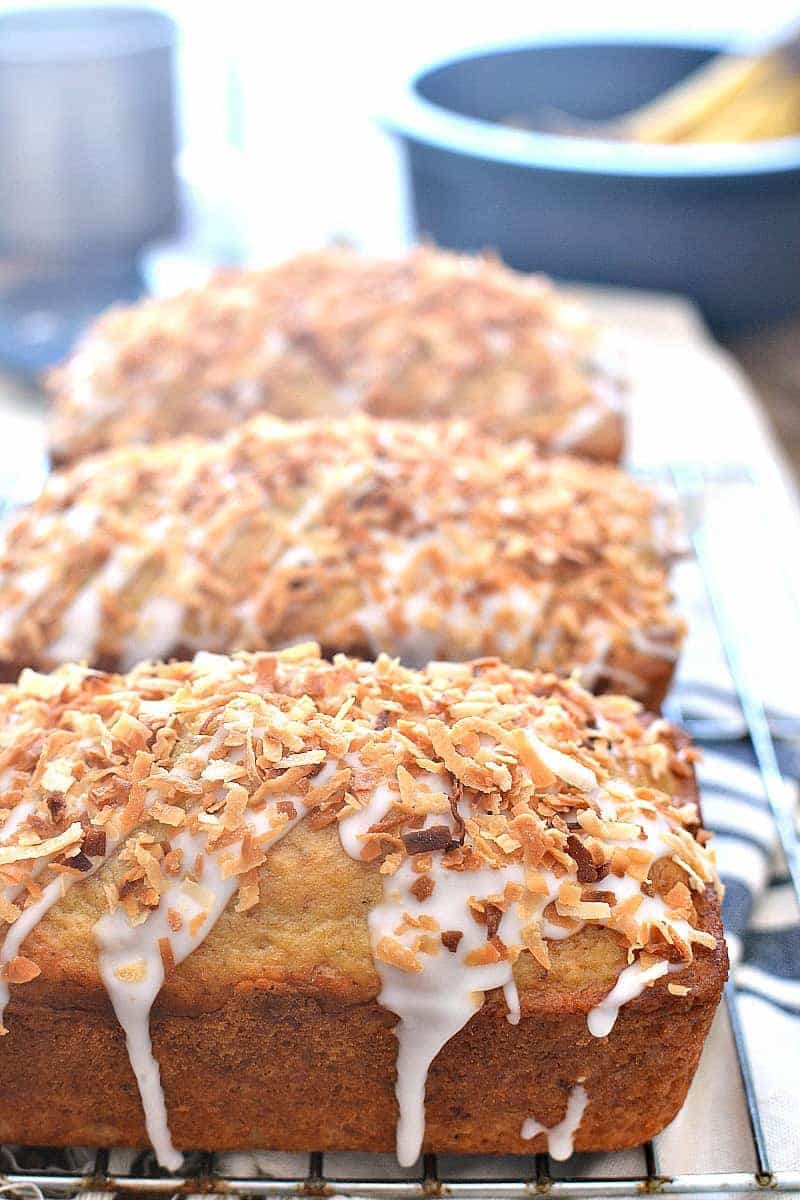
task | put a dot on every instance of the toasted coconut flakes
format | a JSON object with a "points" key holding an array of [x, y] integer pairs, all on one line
{"points": [[323, 792], [173, 861], [43, 849], [528, 752], [704, 939], [168, 814], [94, 843], [58, 775], [393, 952], [536, 883], [470, 773], [679, 899], [45, 687], [459, 722], [249, 892], [569, 894], [174, 919], [201, 896], [235, 806], [21, 970], [695, 880], [220, 771], [423, 921], [165, 950], [134, 734], [423, 841], [132, 972], [308, 758], [8, 911], [391, 863], [483, 955], [535, 943], [423, 887], [111, 896], [407, 786], [426, 943], [585, 911], [196, 922]]}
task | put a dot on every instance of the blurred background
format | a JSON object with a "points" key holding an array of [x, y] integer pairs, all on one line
{"points": [[140, 148]]}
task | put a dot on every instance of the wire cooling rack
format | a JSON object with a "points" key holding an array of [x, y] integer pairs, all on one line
{"points": [[101, 1174]]}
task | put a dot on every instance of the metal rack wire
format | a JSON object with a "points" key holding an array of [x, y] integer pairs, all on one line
{"points": [[102, 1174]]}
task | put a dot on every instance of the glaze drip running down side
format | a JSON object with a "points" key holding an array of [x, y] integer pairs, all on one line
{"points": [[560, 1137]]}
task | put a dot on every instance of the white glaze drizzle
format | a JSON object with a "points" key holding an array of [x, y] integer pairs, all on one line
{"points": [[631, 982], [122, 944], [33, 913], [566, 768], [18, 815], [32, 584], [434, 1004], [159, 626], [82, 518], [81, 623], [560, 1137], [25, 923]]}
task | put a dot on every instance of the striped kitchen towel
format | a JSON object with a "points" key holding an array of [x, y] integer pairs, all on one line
{"points": [[763, 930], [762, 924]]}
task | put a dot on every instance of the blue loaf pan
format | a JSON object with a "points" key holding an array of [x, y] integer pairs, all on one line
{"points": [[720, 223]]}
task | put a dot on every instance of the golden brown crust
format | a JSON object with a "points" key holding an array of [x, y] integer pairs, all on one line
{"points": [[269, 1034], [298, 1071], [432, 335], [423, 541]]}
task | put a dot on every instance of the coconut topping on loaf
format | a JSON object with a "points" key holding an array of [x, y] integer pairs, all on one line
{"points": [[423, 541], [505, 811], [430, 335]]}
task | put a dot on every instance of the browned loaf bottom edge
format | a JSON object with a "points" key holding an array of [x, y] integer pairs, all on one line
{"points": [[293, 1072], [309, 1063], [282, 1070]]}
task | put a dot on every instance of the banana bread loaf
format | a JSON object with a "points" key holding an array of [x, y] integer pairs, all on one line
{"points": [[430, 335], [274, 901], [422, 541]]}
